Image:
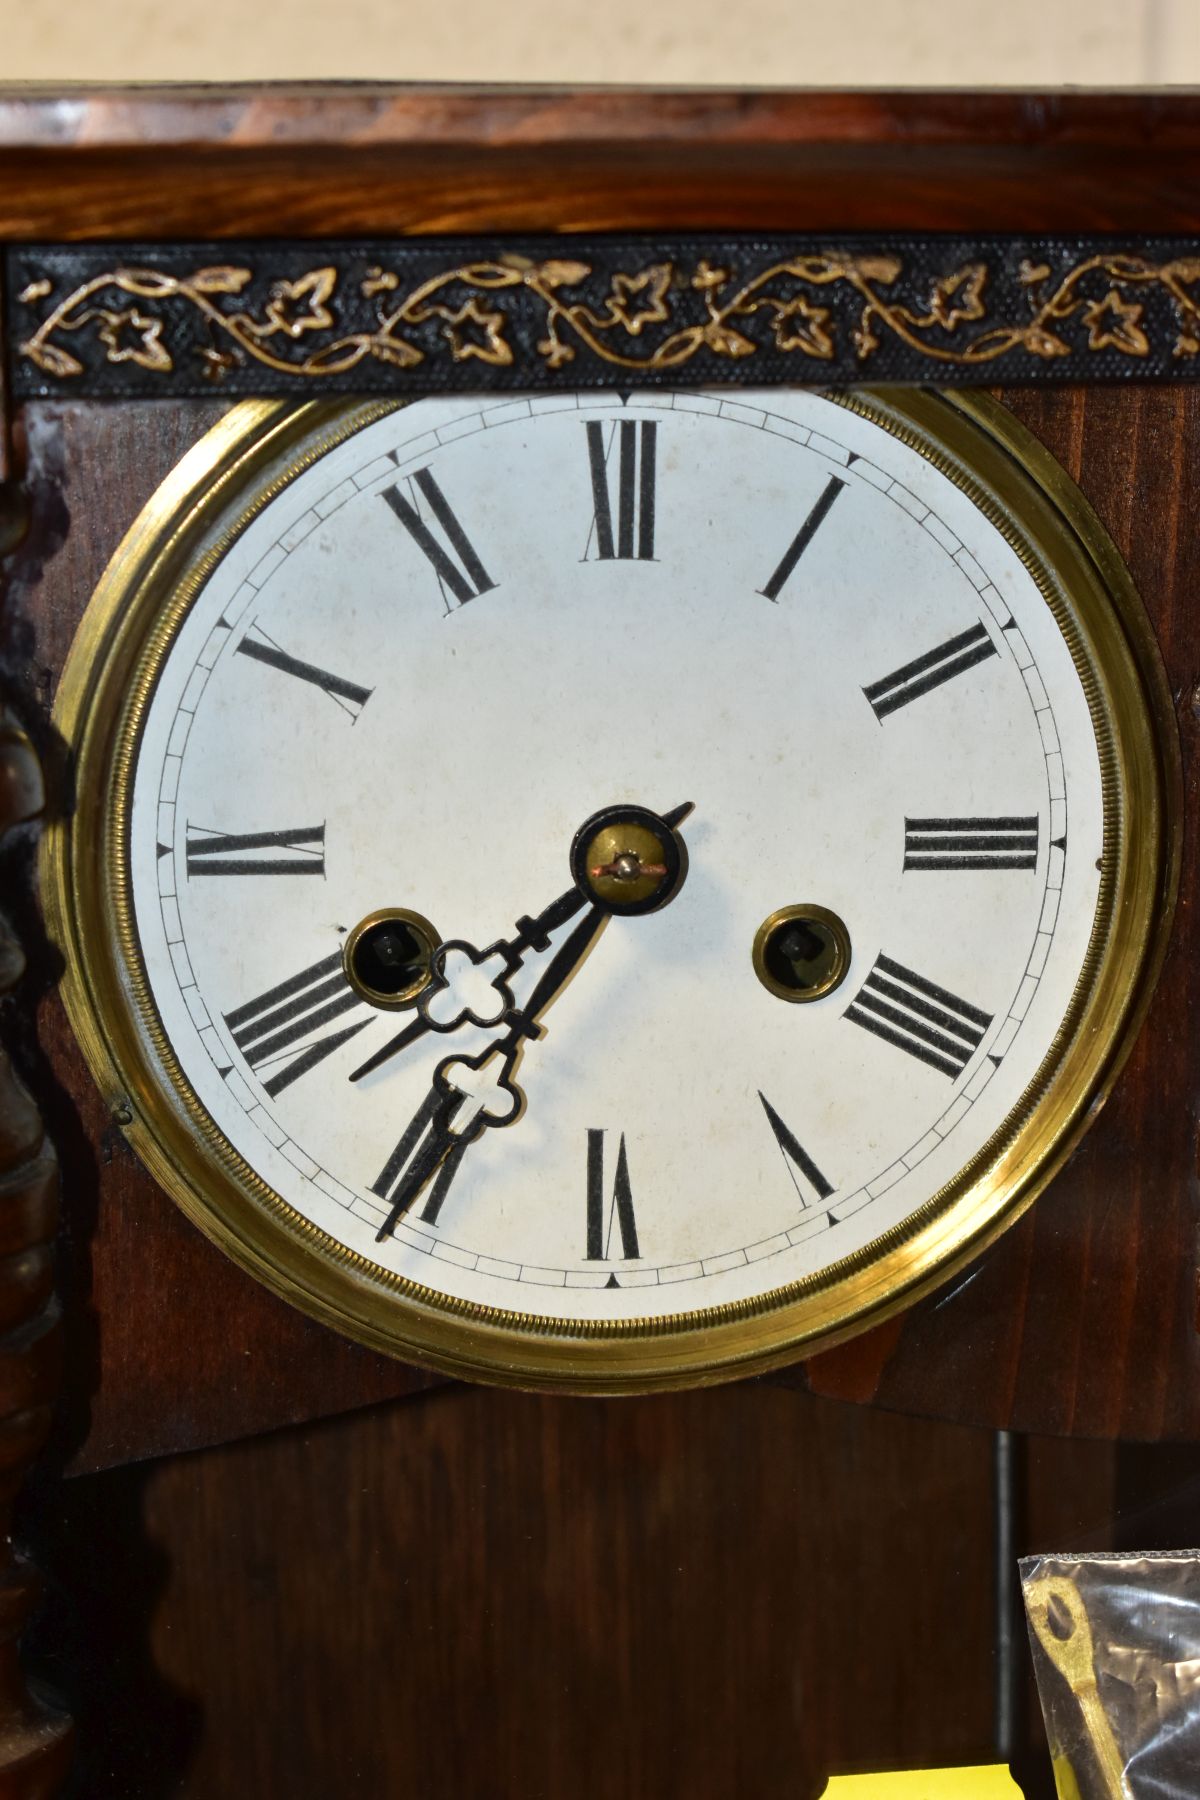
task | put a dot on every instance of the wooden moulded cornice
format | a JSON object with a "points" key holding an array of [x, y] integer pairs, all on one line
{"points": [[360, 160]]}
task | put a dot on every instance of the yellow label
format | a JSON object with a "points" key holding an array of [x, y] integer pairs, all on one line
{"points": [[991, 1783]]}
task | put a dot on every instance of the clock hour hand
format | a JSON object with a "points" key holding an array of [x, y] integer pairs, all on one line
{"points": [[621, 884], [460, 1099]]}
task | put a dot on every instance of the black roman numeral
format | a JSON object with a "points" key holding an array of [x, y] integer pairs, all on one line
{"points": [[418, 1130], [803, 537], [465, 578], [636, 472], [270, 1031], [301, 851], [795, 1156], [916, 1015], [620, 1207], [1002, 843], [927, 672], [346, 694]]}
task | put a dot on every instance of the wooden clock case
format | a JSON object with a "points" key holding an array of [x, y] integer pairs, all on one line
{"points": [[136, 1338]]}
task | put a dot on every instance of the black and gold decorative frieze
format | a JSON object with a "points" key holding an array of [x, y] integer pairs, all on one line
{"points": [[409, 317]]}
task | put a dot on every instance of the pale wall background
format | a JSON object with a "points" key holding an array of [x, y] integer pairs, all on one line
{"points": [[790, 42]]}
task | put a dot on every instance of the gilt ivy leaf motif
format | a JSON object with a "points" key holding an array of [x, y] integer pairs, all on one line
{"points": [[1044, 343], [302, 327], [560, 273], [959, 297], [221, 279], [147, 284], [878, 268], [725, 341], [460, 327], [299, 306], [707, 279], [51, 358], [1113, 323], [378, 281], [801, 326], [395, 351], [218, 363], [639, 300], [146, 349]]}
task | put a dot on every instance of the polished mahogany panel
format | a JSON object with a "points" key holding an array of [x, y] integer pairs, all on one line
{"points": [[1084, 1318], [474, 1594], [362, 161]]}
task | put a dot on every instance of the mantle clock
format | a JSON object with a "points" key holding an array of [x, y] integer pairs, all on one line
{"points": [[600, 723]]}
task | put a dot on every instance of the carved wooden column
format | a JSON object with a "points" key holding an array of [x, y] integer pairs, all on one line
{"points": [[36, 1739]]}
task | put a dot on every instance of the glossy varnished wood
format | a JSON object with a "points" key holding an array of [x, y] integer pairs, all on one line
{"points": [[168, 1346], [1081, 1320], [311, 161], [1084, 1318], [480, 1595]]}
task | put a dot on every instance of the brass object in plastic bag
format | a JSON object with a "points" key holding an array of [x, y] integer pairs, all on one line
{"points": [[1116, 1646]]}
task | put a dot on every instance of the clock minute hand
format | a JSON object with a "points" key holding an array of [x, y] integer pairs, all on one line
{"points": [[570, 954], [441, 1141], [555, 976], [531, 934]]}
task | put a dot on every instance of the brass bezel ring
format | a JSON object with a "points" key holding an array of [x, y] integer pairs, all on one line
{"points": [[191, 521], [802, 909]]}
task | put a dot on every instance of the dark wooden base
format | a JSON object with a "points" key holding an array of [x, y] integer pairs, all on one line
{"points": [[477, 1594]]}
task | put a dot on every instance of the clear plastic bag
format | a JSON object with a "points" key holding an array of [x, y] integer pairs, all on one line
{"points": [[1116, 1649]]}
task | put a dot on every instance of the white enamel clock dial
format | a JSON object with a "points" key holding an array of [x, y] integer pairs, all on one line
{"points": [[422, 662]]}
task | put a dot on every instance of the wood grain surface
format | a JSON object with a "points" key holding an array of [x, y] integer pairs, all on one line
{"points": [[489, 1595], [1084, 1318], [362, 161], [1081, 1320], [203, 1351]]}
